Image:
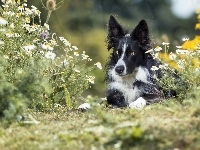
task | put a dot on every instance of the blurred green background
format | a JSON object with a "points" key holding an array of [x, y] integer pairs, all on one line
{"points": [[83, 23]]}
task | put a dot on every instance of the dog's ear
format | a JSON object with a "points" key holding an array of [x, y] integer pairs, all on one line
{"points": [[115, 31], [141, 33]]}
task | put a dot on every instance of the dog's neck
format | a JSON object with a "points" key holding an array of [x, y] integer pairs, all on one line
{"points": [[140, 74]]}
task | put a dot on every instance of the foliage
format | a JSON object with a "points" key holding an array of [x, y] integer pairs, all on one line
{"points": [[34, 75], [107, 129], [32, 72], [181, 69]]}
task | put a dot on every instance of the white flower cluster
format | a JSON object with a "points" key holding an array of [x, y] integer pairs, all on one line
{"points": [[65, 42], [179, 59], [10, 17], [90, 79], [76, 53], [21, 18]]}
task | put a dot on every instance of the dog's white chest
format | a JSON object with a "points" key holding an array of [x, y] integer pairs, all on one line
{"points": [[130, 93], [125, 84]]}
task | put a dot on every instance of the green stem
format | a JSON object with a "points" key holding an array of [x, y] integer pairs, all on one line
{"points": [[48, 16], [67, 98]]}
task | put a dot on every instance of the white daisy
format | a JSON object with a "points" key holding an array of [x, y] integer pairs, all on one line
{"points": [[98, 64], [21, 8], [178, 47], [84, 56], [154, 68], [9, 34], [164, 43], [158, 48], [7, 1], [67, 43], [34, 10], [180, 51], [161, 66], [28, 11], [90, 79], [89, 59], [46, 26], [27, 20], [185, 39], [29, 47], [47, 46], [172, 56], [5, 6], [75, 48], [50, 55], [53, 42], [76, 53], [3, 21]]}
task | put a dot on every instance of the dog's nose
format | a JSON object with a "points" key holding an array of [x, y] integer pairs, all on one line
{"points": [[119, 69]]}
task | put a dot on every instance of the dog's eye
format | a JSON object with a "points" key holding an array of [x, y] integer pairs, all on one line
{"points": [[118, 52], [129, 53]]}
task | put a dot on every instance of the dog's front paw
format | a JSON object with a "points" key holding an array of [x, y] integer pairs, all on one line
{"points": [[116, 99], [84, 106], [138, 104]]}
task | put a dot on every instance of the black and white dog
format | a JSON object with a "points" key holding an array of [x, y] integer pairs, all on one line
{"points": [[130, 80]]}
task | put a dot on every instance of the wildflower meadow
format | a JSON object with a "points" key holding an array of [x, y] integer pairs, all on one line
{"points": [[43, 78], [34, 75]]}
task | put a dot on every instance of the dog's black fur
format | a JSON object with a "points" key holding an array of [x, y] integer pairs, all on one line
{"points": [[129, 75]]}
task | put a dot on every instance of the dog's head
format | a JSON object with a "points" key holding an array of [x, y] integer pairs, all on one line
{"points": [[128, 49]]}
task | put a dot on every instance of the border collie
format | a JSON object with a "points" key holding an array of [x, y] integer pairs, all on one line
{"points": [[130, 80]]}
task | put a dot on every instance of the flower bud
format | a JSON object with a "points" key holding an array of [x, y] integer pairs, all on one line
{"points": [[51, 5]]}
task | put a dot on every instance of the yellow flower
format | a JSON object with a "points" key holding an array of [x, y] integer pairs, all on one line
{"points": [[198, 17], [168, 59], [19, 14], [164, 56], [197, 26], [191, 44]]}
